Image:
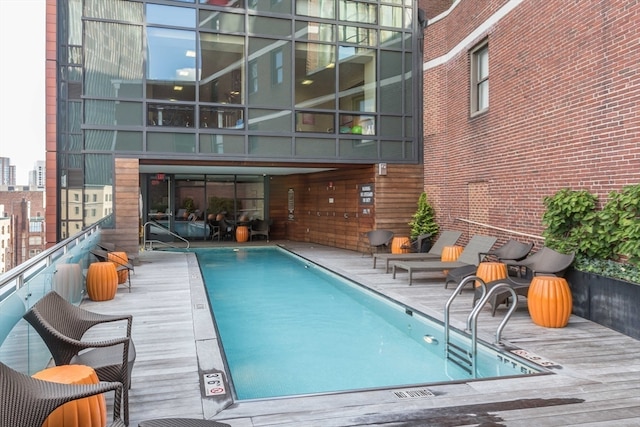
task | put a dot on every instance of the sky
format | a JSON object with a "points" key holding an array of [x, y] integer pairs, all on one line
{"points": [[22, 84]]}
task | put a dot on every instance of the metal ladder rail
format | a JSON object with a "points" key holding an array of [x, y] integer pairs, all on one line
{"points": [[472, 320], [152, 241], [453, 351]]}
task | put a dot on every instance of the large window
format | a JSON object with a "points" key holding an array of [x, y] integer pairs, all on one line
{"points": [[480, 79]]}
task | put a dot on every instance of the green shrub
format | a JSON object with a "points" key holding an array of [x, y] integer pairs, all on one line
{"points": [[606, 241], [424, 220]]}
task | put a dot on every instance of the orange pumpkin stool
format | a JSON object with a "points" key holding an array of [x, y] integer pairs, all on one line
{"points": [[491, 271], [400, 245], [550, 302], [102, 281], [242, 233], [450, 253], [87, 412], [120, 258]]}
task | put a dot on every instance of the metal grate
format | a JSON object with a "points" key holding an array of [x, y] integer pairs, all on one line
{"points": [[413, 394]]}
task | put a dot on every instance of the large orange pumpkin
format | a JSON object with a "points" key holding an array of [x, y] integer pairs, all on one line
{"points": [[86, 412], [102, 281], [550, 302], [400, 245]]}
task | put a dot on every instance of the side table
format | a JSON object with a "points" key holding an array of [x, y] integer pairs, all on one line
{"points": [[87, 412]]}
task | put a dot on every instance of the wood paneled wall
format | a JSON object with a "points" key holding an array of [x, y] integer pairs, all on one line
{"points": [[328, 209]]}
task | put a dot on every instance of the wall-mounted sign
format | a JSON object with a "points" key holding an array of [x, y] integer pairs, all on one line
{"points": [[366, 194], [290, 203]]}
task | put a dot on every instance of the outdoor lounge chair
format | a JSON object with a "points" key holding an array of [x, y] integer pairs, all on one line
{"points": [[469, 256], [61, 325], [509, 253], [446, 238], [378, 239], [28, 401], [181, 422], [545, 262]]}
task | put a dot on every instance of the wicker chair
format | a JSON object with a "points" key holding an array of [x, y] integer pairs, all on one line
{"points": [[378, 239], [181, 422], [28, 401], [62, 326]]}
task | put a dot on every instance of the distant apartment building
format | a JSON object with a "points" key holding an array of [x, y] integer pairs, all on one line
{"points": [[22, 226], [7, 172], [37, 176]]}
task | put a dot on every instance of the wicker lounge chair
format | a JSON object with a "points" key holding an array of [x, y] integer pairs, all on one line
{"points": [[181, 422], [29, 401], [510, 253], [259, 227], [446, 238], [469, 256], [545, 262], [62, 326]]}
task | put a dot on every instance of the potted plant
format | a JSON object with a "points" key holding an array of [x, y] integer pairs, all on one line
{"points": [[605, 277], [423, 222]]}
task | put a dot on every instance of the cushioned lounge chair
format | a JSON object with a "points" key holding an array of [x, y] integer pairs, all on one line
{"points": [[28, 401], [469, 256], [509, 253], [446, 238], [61, 325], [545, 262]]}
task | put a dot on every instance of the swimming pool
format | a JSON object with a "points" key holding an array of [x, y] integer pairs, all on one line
{"points": [[289, 327]]}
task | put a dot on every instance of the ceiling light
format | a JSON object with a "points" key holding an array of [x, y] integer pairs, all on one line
{"points": [[191, 53], [306, 82], [177, 88]]}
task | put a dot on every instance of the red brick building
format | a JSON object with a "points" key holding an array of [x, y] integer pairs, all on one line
{"points": [[561, 108]]}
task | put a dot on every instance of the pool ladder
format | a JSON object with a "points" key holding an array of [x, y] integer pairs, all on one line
{"points": [[467, 358]]}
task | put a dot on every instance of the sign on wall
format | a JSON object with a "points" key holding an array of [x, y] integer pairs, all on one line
{"points": [[366, 195]]}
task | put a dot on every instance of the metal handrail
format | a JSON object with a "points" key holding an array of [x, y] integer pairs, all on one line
{"points": [[152, 241]]}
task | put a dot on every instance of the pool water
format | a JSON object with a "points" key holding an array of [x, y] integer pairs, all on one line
{"points": [[289, 327]]}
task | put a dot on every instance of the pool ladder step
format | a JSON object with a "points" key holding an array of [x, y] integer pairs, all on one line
{"points": [[464, 358], [460, 357]]}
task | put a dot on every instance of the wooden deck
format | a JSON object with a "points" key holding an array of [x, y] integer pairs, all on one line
{"points": [[597, 382]]}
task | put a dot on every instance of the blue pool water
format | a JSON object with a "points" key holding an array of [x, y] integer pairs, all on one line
{"points": [[289, 327]]}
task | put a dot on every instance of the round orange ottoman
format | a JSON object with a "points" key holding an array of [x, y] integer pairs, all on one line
{"points": [[102, 281], [87, 412]]}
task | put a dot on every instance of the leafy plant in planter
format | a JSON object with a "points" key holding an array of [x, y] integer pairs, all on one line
{"points": [[424, 220], [606, 240]]}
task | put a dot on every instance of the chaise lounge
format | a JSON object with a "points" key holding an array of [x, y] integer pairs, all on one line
{"points": [[447, 238], [469, 256]]}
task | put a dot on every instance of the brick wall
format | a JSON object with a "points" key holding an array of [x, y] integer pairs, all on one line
{"points": [[563, 109]]}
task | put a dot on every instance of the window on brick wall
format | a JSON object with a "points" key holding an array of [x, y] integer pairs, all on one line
{"points": [[480, 78]]}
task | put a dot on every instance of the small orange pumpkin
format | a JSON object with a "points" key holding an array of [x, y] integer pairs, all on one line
{"points": [[550, 302], [102, 281]]}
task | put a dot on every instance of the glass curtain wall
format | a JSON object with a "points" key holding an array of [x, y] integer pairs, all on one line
{"points": [[190, 205], [232, 80]]}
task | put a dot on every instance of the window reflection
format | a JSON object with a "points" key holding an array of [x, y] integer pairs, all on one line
{"points": [[170, 115], [319, 8], [171, 15], [315, 75], [221, 117], [222, 68], [357, 77], [171, 64], [314, 122]]}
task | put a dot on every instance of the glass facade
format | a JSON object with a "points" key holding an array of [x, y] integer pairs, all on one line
{"points": [[292, 80]]}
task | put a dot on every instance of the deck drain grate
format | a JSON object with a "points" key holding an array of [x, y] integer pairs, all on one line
{"points": [[534, 358], [413, 394]]}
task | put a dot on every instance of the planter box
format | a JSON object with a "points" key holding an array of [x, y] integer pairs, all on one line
{"points": [[609, 302]]}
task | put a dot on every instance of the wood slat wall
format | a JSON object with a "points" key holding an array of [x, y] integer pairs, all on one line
{"points": [[342, 222]]}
